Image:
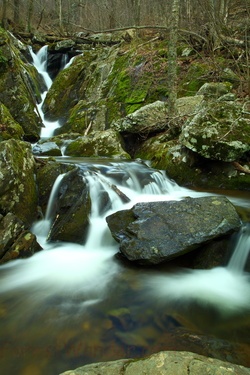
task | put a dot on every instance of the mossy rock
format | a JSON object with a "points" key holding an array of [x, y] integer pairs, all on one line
{"points": [[188, 168], [220, 131], [18, 192], [68, 88], [9, 128], [100, 143], [19, 89], [128, 79]]}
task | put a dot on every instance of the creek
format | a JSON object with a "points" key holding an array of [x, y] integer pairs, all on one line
{"points": [[72, 304]]}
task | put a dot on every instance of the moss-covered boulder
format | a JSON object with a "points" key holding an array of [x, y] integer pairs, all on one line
{"points": [[163, 363], [18, 192], [108, 83], [15, 241], [9, 128], [214, 89], [106, 143], [68, 88], [19, 86], [153, 118], [220, 131]]}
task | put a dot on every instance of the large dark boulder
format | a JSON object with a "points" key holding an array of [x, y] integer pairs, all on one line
{"points": [[72, 209], [154, 232]]}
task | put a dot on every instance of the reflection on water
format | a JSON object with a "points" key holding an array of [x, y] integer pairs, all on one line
{"points": [[70, 304]]}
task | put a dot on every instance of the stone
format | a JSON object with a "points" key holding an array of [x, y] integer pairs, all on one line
{"points": [[98, 143], [47, 148], [15, 241], [214, 89], [20, 86], [147, 119], [71, 216], [163, 363], [18, 191], [155, 232], [9, 128], [220, 131]]}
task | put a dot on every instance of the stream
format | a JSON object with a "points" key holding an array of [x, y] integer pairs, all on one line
{"points": [[72, 304]]}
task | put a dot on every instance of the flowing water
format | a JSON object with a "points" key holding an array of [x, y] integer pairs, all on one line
{"points": [[73, 304]]}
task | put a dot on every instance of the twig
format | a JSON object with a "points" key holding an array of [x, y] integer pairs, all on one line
{"points": [[240, 168]]}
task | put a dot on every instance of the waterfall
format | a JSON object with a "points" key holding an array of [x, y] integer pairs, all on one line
{"points": [[241, 251], [40, 63], [42, 228]]}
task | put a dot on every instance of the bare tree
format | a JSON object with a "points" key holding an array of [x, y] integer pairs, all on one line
{"points": [[172, 57]]}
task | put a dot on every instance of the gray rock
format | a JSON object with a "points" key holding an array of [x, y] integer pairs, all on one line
{"points": [[219, 132], [155, 232], [98, 143], [147, 119], [163, 363], [153, 117], [47, 148], [214, 89]]}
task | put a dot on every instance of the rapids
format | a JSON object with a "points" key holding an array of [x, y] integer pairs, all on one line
{"points": [[73, 304]]}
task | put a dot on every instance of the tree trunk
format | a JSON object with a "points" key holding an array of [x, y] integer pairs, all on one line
{"points": [[30, 15], [172, 57], [4, 14]]}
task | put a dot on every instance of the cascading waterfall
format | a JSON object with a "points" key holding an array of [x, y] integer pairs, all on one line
{"points": [[40, 63], [242, 250], [54, 305]]}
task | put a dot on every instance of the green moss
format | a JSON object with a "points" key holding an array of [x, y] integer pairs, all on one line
{"points": [[9, 128], [196, 75]]}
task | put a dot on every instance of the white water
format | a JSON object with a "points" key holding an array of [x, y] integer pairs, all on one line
{"points": [[40, 63], [63, 267]]}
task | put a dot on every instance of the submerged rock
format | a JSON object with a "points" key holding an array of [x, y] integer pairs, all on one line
{"points": [[163, 363], [154, 232]]}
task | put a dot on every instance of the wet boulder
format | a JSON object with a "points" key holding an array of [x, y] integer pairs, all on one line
{"points": [[47, 148], [15, 240], [46, 175], [18, 191], [72, 208], [155, 232]]}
